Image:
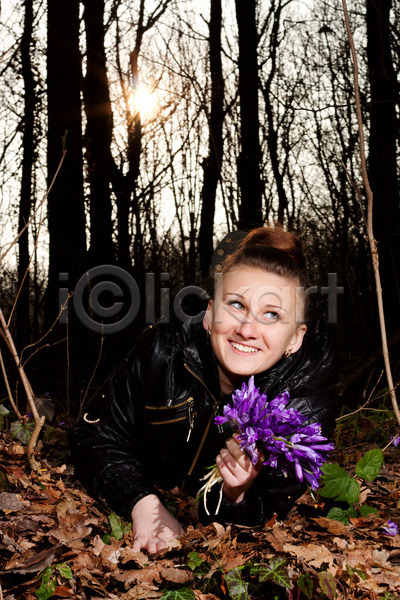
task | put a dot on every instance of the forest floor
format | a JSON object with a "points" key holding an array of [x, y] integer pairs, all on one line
{"points": [[56, 541]]}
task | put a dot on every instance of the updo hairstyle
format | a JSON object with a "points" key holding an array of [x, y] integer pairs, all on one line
{"points": [[271, 249]]}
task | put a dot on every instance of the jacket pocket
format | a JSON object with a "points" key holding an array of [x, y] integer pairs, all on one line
{"points": [[168, 415]]}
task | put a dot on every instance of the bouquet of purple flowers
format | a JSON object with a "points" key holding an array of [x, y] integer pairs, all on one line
{"points": [[278, 433]]}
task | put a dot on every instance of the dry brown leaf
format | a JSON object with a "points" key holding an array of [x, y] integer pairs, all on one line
{"points": [[31, 563], [148, 575], [142, 592], [10, 502], [222, 533], [278, 537], [231, 559], [313, 554], [335, 527], [89, 581], [62, 591], [128, 554], [174, 575], [65, 507], [200, 596], [84, 560], [71, 536]]}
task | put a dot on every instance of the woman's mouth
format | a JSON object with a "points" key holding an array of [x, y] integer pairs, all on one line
{"points": [[241, 348]]}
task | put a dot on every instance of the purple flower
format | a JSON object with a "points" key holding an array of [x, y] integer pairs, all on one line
{"points": [[392, 529], [280, 433], [396, 441]]}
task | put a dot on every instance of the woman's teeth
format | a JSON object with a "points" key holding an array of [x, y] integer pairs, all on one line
{"points": [[241, 348]]}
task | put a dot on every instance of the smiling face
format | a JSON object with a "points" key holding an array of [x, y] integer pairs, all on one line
{"points": [[252, 321]]}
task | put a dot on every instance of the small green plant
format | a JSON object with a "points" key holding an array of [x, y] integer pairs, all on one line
{"points": [[49, 580], [118, 528], [22, 431], [3, 413], [183, 593], [338, 485]]}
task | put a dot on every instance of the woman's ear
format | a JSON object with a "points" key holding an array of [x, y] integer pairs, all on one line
{"points": [[208, 317], [297, 339]]}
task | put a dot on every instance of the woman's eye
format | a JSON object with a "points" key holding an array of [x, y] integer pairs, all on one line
{"points": [[236, 304], [271, 315]]}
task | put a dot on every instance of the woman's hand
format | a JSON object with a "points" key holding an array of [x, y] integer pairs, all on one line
{"points": [[153, 525], [237, 471]]}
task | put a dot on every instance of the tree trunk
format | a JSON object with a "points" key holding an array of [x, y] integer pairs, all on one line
{"points": [[212, 164], [23, 308], [382, 154], [66, 215], [250, 213], [98, 135]]}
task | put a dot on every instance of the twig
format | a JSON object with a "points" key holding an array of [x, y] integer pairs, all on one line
{"points": [[95, 368], [365, 403], [9, 392], [30, 262], [28, 390], [15, 240], [30, 450], [370, 231]]}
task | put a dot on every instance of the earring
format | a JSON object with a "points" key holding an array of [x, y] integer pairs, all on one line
{"points": [[286, 354], [208, 331]]}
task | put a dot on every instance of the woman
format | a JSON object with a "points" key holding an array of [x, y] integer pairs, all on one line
{"points": [[153, 427]]}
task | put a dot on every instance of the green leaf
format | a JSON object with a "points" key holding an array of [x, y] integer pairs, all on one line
{"points": [[370, 464], [198, 565], [328, 584], [48, 585], [106, 539], [183, 593], [118, 526], [351, 571], [366, 510], [236, 586], [276, 572], [194, 560], [338, 484], [64, 570], [306, 585], [22, 432], [338, 514]]}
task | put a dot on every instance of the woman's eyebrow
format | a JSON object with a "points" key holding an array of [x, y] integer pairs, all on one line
{"points": [[275, 306], [241, 296]]}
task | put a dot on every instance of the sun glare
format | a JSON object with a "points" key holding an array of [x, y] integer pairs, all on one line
{"points": [[143, 100]]}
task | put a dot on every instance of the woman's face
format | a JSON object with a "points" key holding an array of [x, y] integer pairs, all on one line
{"points": [[252, 321]]}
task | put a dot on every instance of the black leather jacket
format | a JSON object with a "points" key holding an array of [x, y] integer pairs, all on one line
{"points": [[152, 426]]}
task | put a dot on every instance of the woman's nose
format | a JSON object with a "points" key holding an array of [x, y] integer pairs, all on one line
{"points": [[247, 327]]}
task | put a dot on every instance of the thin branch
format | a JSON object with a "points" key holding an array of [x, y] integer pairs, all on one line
{"points": [[9, 392], [15, 240], [365, 403], [370, 230]]}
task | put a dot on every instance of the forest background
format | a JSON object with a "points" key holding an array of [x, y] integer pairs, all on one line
{"points": [[161, 125]]}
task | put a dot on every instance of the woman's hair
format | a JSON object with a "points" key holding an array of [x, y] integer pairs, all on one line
{"points": [[271, 249]]}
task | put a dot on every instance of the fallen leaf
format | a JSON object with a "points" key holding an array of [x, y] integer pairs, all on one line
{"points": [[334, 527], [31, 563], [174, 575], [10, 502], [313, 554], [278, 537]]}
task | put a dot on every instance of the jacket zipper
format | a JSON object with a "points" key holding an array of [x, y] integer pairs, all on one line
{"points": [[168, 407], [190, 404], [203, 439]]}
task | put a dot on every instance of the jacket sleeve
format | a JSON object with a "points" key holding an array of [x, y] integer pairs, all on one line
{"points": [[107, 446], [272, 492]]}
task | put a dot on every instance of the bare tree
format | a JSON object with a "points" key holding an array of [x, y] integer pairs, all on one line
{"points": [[213, 163], [250, 155]]}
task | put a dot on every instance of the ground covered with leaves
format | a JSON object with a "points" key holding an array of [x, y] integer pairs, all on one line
{"points": [[57, 542]]}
